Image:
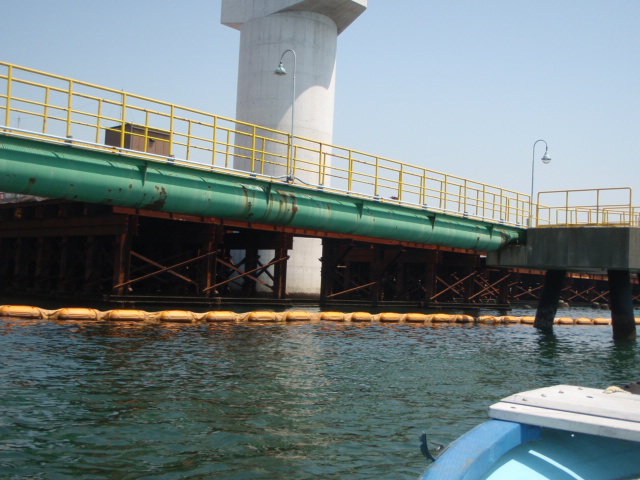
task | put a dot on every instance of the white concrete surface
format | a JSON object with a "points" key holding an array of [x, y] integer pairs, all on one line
{"points": [[267, 29]]}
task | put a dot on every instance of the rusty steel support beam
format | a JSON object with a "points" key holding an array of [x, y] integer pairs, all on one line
{"points": [[163, 269], [122, 260], [452, 287], [580, 294], [246, 274], [528, 292], [489, 287], [352, 289]]}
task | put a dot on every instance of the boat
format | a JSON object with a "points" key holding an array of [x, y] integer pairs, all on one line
{"points": [[562, 432]]}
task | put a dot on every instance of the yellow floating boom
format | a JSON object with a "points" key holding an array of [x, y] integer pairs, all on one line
{"points": [[181, 316]]}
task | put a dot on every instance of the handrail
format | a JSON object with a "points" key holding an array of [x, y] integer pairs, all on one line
{"points": [[588, 207], [83, 113]]}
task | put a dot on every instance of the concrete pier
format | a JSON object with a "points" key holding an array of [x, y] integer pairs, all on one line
{"points": [[308, 31], [622, 316], [548, 305], [614, 251]]}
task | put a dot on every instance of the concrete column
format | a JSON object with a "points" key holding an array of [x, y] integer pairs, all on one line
{"points": [[622, 315], [548, 304], [267, 29]]}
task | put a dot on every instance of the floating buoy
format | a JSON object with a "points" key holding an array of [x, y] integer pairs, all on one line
{"points": [[601, 321], [21, 311], [565, 321], [76, 314], [177, 316], [464, 319], [126, 315], [332, 316], [390, 317], [219, 317], [297, 316], [584, 321], [361, 317], [262, 317], [416, 317], [510, 319], [489, 319], [443, 318]]}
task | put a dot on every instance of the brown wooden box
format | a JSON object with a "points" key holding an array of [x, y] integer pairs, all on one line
{"points": [[141, 138]]}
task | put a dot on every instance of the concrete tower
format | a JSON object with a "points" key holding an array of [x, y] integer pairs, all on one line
{"points": [[268, 28]]}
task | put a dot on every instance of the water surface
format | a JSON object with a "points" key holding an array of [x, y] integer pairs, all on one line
{"points": [[272, 401]]}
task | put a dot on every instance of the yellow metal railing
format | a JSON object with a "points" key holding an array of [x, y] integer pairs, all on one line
{"points": [[54, 108], [588, 207]]}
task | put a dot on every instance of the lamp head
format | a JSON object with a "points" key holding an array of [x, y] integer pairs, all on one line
{"points": [[545, 158], [280, 70]]}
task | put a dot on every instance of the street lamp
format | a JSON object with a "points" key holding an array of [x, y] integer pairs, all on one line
{"points": [[545, 159], [280, 71]]}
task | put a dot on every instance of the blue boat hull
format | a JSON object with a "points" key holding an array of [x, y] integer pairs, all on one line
{"points": [[501, 450]]}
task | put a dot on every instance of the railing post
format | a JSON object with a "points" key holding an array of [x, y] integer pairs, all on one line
{"points": [[189, 130], [443, 193], [376, 188], [400, 182], [630, 207], [290, 154], [46, 110], [484, 201], [215, 140], [350, 178], [146, 131], [171, 129], [228, 148], [464, 197], [7, 113], [321, 164], [253, 151], [99, 121], [69, 107], [124, 119]]}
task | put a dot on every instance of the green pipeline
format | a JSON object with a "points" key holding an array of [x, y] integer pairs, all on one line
{"points": [[61, 171]]}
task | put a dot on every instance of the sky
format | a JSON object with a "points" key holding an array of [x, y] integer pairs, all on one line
{"points": [[464, 87]]}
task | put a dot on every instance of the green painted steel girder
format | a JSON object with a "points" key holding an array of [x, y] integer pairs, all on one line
{"points": [[54, 170]]}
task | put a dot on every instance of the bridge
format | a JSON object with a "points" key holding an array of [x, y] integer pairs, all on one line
{"points": [[70, 140]]}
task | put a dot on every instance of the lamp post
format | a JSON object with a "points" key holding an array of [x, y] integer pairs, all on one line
{"points": [[280, 71], [545, 159]]}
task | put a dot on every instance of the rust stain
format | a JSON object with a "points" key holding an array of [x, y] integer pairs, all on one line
{"points": [[161, 201], [32, 182], [247, 211]]}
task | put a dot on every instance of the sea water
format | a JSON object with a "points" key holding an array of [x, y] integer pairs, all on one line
{"points": [[86, 400]]}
